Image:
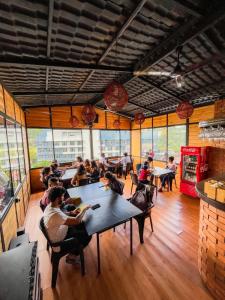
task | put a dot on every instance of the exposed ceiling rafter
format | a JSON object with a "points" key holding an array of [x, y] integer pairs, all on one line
{"points": [[64, 92]]}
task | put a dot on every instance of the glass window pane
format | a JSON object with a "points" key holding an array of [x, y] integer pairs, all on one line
{"points": [[146, 141], [96, 144], [110, 142], [176, 139], [67, 144], [125, 141], [20, 150], [13, 153], [40, 147], [160, 143], [86, 143], [5, 176]]}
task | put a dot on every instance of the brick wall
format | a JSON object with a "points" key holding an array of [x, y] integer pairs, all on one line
{"points": [[211, 253]]}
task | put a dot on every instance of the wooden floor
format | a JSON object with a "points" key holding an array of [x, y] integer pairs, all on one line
{"points": [[164, 267]]}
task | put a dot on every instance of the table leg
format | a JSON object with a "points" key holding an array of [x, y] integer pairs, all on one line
{"points": [[131, 236], [98, 254]]}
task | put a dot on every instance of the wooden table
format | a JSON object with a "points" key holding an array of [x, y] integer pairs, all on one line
{"points": [[113, 211]]}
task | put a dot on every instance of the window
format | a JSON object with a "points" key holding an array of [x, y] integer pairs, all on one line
{"points": [[160, 143], [96, 144], [62, 144], [110, 142], [40, 147], [5, 176], [125, 141], [86, 143], [146, 141], [20, 150], [176, 139], [13, 154]]}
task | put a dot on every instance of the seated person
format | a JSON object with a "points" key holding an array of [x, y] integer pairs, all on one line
{"points": [[150, 162], [168, 177], [52, 182], [55, 171], [115, 184], [124, 161], [87, 165], [94, 172], [77, 163], [46, 173], [81, 174], [104, 165], [59, 226], [144, 174]]}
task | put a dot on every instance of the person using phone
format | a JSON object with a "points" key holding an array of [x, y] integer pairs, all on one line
{"points": [[60, 226]]}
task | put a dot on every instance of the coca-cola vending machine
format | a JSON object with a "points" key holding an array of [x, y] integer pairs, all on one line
{"points": [[193, 168]]}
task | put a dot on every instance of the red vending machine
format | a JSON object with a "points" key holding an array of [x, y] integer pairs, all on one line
{"points": [[193, 167]]}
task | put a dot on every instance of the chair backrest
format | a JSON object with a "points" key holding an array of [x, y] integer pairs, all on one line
{"points": [[134, 178], [138, 167], [84, 181], [44, 231]]}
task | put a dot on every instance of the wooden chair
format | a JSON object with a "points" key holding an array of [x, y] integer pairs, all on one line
{"points": [[134, 180], [56, 256]]}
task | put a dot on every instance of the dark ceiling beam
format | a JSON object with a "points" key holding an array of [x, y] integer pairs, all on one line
{"points": [[184, 34], [115, 112], [33, 93], [145, 107], [33, 62], [118, 35], [182, 5], [50, 18]]}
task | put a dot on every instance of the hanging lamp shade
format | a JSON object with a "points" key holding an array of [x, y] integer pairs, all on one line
{"points": [[115, 96], [116, 124], [139, 118], [184, 110], [74, 121], [88, 114]]}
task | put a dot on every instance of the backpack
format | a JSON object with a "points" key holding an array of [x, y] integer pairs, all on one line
{"points": [[142, 198]]}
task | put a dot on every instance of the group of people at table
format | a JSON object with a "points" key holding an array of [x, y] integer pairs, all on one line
{"points": [[62, 219]]}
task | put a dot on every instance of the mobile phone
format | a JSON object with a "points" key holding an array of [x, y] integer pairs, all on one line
{"points": [[95, 206]]}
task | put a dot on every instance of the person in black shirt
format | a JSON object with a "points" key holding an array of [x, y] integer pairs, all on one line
{"points": [[115, 184]]}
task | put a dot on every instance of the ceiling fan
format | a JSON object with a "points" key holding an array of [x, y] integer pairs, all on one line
{"points": [[177, 73]]}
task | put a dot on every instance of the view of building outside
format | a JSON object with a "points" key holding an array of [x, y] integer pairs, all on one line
{"points": [[96, 144], [86, 143], [40, 147], [20, 150], [125, 141], [160, 143], [67, 144], [146, 141], [110, 142], [13, 154], [176, 139]]}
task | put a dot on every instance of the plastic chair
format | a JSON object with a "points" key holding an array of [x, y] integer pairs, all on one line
{"points": [[56, 256]]}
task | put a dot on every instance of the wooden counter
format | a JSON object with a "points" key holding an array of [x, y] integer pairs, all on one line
{"points": [[211, 251]]}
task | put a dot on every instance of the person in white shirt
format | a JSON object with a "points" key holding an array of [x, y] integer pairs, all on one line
{"points": [[60, 226], [171, 165], [104, 165]]}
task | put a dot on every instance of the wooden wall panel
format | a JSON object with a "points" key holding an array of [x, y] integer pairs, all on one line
{"points": [[77, 112], [9, 105], [20, 210], [125, 123], [219, 109], [36, 185], [159, 121], [25, 147], [101, 119], [135, 126], [173, 119], [194, 139], [25, 195], [17, 112], [147, 123], [22, 117], [110, 118], [202, 114], [61, 117], [38, 117], [9, 226], [2, 104], [135, 143]]}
